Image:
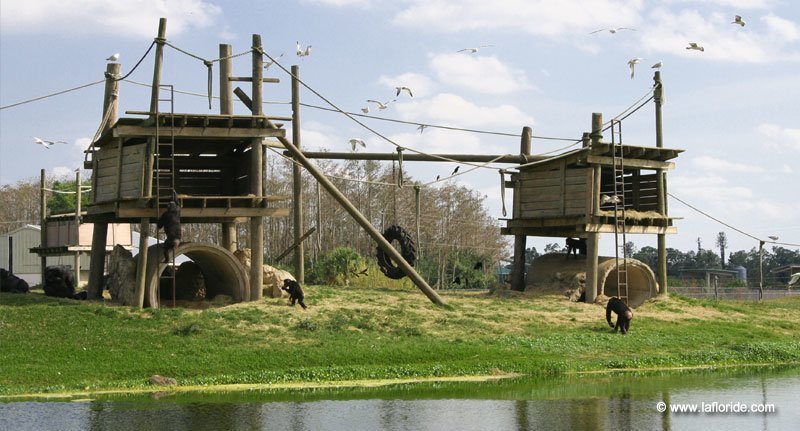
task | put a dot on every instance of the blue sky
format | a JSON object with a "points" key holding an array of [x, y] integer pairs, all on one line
{"points": [[733, 107]]}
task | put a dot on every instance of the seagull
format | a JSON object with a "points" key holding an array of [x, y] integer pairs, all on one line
{"points": [[737, 19], [421, 128], [356, 141], [114, 57], [474, 50], [45, 143], [303, 52], [271, 62], [401, 89], [613, 30], [606, 199], [365, 109], [381, 105], [657, 65], [695, 46], [455, 171], [632, 63], [773, 237]]}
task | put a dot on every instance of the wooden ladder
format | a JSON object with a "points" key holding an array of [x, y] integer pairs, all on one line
{"points": [[165, 174], [619, 210]]}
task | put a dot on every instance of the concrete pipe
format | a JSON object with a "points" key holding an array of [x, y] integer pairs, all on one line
{"points": [[568, 270], [223, 272]]}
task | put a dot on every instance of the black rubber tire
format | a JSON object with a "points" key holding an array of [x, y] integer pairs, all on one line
{"points": [[407, 249]]}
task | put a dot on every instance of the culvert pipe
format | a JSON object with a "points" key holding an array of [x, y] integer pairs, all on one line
{"points": [[224, 274], [566, 270]]}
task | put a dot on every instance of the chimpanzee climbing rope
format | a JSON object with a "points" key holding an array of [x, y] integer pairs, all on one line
{"points": [[407, 249]]}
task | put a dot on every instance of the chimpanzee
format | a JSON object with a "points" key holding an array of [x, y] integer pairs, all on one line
{"points": [[624, 314], [295, 291], [11, 283], [576, 246], [59, 281], [171, 222]]}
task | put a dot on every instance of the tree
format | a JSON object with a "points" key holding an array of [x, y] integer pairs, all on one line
{"points": [[553, 247], [722, 243]]}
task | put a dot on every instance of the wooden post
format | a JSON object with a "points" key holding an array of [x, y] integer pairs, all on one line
{"points": [[77, 265], [593, 238], [144, 225], [297, 181], [229, 240], [42, 223], [760, 270], [417, 213], [597, 128], [97, 257], [661, 182], [256, 162], [518, 273]]}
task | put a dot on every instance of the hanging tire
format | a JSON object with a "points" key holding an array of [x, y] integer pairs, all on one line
{"points": [[407, 249]]}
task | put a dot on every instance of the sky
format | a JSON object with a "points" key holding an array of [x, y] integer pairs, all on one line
{"points": [[732, 107]]}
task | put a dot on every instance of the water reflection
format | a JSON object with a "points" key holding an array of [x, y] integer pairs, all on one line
{"points": [[621, 401]]}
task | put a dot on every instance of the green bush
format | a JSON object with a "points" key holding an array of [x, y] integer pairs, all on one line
{"points": [[336, 267]]}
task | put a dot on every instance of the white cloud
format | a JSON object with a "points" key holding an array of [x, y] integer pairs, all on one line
{"points": [[125, 18], [486, 75], [420, 85], [780, 137], [714, 164], [453, 110], [540, 17], [340, 3], [316, 136], [734, 4], [441, 141]]}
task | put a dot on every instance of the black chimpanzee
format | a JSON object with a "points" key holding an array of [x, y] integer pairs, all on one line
{"points": [[295, 291], [576, 246], [624, 314], [171, 222], [11, 283]]}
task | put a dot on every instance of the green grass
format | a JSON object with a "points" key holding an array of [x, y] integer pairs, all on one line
{"points": [[356, 333]]}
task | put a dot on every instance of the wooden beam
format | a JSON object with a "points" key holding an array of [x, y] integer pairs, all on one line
{"points": [[228, 213], [609, 228], [128, 131], [249, 79], [631, 163], [477, 158]]}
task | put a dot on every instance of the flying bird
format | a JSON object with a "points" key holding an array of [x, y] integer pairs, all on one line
{"points": [[271, 62], [737, 19], [613, 30], [401, 89], [46, 143], [365, 109], [695, 46], [455, 171], [114, 57], [355, 141], [632, 63], [474, 50], [773, 237], [381, 105], [657, 65], [421, 128], [303, 52]]}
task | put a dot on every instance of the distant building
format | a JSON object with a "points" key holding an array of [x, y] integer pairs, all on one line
{"points": [[707, 274]]}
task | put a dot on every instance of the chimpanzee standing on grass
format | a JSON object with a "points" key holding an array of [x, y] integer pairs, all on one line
{"points": [[295, 291], [171, 222], [624, 314]]}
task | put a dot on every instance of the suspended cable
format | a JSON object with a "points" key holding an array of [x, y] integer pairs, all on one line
{"points": [[52, 94]]}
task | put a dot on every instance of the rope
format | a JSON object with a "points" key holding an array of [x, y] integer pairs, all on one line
{"points": [[483, 165], [83, 189], [52, 94], [137, 63], [503, 189], [620, 117], [102, 123], [400, 166]]}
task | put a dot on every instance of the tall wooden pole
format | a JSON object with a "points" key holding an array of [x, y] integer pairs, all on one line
{"points": [[97, 257], [518, 273], [661, 183], [42, 222], [256, 163], [593, 238], [229, 240], [77, 265], [417, 213], [144, 225], [297, 183]]}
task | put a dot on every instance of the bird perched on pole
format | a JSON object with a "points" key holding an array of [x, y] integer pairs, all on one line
{"points": [[114, 57]]}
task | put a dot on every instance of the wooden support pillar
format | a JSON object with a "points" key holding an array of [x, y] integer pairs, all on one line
{"points": [[97, 256], [42, 223], [229, 239], [592, 245], [417, 213], [661, 189], [297, 181], [256, 163], [77, 262], [151, 148], [518, 272]]}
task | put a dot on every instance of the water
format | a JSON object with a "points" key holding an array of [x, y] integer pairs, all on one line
{"points": [[620, 401]]}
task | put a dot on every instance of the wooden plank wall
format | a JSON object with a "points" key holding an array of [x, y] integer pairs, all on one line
{"points": [[118, 177], [553, 193], [640, 190]]}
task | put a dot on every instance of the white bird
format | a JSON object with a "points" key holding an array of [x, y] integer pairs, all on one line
{"points": [[632, 64], [606, 199], [421, 128], [303, 52], [474, 50], [695, 46], [45, 143], [114, 57], [613, 30], [401, 89], [365, 109], [657, 65], [381, 105], [355, 141], [271, 62], [772, 237], [737, 19]]}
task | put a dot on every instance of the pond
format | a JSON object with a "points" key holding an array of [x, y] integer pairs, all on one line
{"points": [[729, 399]]}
